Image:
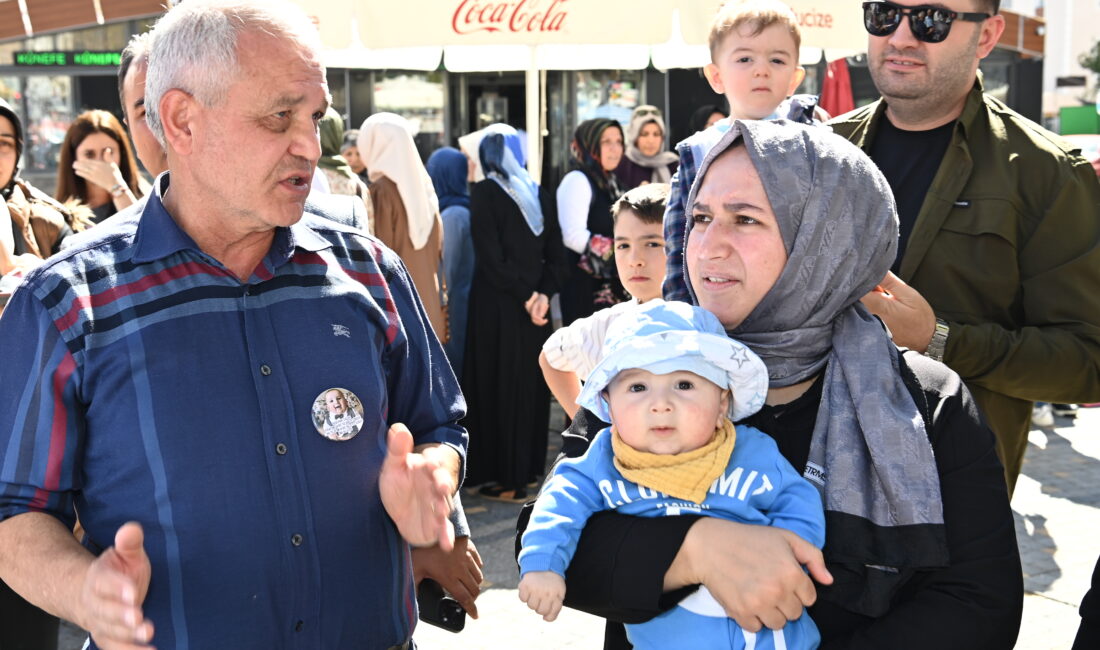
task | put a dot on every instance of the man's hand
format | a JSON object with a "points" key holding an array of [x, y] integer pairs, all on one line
{"points": [[416, 490], [114, 589], [459, 571], [543, 591], [908, 315], [754, 572], [103, 173]]}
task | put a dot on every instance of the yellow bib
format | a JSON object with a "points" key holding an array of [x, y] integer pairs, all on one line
{"points": [[684, 476]]}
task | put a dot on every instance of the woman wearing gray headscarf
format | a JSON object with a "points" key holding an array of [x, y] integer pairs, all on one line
{"points": [[790, 226], [647, 158]]}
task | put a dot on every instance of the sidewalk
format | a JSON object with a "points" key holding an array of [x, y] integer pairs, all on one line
{"points": [[1057, 510]]}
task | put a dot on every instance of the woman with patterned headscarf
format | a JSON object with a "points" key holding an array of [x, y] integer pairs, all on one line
{"points": [[406, 210], [519, 264], [647, 159], [584, 200]]}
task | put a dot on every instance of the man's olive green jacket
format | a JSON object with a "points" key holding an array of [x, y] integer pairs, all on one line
{"points": [[1006, 249]]}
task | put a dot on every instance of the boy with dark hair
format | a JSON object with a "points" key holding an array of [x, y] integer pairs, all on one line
{"points": [[571, 352]]}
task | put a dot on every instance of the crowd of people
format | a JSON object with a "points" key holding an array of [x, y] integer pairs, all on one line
{"points": [[798, 354]]}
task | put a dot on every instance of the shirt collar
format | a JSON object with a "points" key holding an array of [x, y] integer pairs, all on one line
{"points": [[158, 234]]}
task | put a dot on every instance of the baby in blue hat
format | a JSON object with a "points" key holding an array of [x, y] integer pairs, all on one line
{"points": [[670, 381]]}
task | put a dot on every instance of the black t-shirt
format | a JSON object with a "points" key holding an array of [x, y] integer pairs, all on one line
{"points": [[909, 160]]}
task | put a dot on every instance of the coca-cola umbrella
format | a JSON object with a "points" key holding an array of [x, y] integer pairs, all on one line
{"points": [[535, 35]]}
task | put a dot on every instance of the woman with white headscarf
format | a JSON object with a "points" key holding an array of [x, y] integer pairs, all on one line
{"points": [[406, 211], [519, 264], [647, 158]]}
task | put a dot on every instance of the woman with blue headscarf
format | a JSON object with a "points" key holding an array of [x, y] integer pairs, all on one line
{"points": [[449, 169], [519, 264]]}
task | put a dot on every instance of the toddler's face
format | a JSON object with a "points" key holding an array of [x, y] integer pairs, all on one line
{"points": [[639, 255], [755, 73], [335, 402], [665, 414]]}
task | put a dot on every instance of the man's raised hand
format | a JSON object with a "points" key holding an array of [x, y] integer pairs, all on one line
{"points": [[114, 589], [416, 490]]}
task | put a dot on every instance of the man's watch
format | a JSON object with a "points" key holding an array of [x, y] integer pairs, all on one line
{"points": [[939, 340]]}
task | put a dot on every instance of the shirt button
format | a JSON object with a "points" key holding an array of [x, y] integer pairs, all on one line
{"points": [[298, 626], [296, 539], [265, 370], [280, 449]]}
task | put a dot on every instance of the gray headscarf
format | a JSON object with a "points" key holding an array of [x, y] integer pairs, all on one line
{"points": [[869, 455], [659, 161]]}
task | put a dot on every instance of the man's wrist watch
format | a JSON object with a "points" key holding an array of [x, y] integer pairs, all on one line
{"points": [[939, 340]]}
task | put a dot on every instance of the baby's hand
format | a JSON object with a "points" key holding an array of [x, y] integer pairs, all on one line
{"points": [[543, 591]]}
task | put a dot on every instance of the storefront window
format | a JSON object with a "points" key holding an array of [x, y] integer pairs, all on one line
{"points": [[608, 93], [48, 114], [102, 38], [419, 98]]}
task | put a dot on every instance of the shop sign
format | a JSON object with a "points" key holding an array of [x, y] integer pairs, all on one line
{"points": [[84, 58]]}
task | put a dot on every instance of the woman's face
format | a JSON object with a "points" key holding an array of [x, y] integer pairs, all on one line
{"points": [[611, 148], [735, 250], [714, 117], [7, 151], [98, 146], [650, 139]]}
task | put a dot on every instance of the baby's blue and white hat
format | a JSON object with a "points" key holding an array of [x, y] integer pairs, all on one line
{"points": [[664, 337]]}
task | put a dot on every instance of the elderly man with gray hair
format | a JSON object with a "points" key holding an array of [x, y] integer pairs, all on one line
{"points": [[161, 374]]}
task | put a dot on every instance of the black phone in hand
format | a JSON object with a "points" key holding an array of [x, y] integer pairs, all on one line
{"points": [[437, 608]]}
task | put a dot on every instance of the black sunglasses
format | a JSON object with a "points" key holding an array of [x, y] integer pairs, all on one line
{"points": [[928, 24]]}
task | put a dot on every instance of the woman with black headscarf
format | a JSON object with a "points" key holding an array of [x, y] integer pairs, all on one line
{"points": [[584, 200], [518, 266], [790, 227]]}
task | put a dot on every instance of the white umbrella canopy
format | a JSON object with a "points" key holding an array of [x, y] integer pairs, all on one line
{"points": [[497, 35], [832, 27], [533, 35]]}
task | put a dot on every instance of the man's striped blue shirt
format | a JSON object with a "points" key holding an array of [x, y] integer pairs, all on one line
{"points": [[141, 380]]}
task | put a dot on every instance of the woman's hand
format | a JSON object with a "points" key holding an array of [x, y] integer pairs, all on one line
{"points": [[457, 571], [537, 306], [754, 572], [103, 173]]}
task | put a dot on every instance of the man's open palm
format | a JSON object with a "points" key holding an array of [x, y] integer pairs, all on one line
{"points": [[416, 491]]}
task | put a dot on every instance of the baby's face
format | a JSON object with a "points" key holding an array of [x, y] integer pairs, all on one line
{"points": [[665, 414], [335, 402]]}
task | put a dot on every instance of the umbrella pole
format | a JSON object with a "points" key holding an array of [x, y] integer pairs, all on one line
{"points": [[534, 127]]}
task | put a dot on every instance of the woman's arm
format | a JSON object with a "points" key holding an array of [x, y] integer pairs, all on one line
{"points": [[555, 269], [487, 199], [574, 195]]}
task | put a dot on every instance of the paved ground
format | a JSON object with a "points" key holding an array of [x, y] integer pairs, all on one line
{"points": [[1057, 510]]}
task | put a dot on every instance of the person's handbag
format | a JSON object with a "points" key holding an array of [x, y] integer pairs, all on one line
{"points": [[598, 258]]}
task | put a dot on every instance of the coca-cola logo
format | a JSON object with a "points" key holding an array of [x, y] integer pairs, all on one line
{"points": [[472, 16]]}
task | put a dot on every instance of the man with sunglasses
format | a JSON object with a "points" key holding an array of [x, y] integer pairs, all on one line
{"points": [[999, 252]]}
